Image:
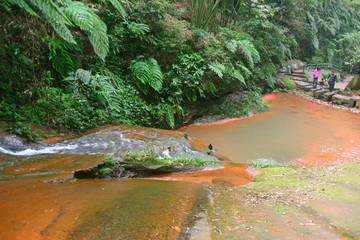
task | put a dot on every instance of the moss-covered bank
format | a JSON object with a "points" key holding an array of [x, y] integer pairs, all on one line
{"points": [[288, 203]]}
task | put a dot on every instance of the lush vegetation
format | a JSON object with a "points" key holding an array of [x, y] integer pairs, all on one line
{"points": [[79, 64]]}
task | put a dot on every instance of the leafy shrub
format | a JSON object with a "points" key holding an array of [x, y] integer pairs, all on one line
{"points": [[288, 84], [70, 111], [24, 130]]}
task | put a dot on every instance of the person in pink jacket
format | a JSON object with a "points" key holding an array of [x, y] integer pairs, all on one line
{"points": [[316, 75]]}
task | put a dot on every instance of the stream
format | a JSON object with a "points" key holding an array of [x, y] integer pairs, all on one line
{"points": [[39, 198]]}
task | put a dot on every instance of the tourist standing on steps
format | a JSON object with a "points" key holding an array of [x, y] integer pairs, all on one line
{"points": [[332, 78], [316, 75]]}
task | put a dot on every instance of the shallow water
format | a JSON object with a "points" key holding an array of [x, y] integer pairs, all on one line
{"points": [[35, 205], [295, 130]]}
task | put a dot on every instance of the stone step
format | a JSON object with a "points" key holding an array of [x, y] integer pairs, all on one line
{"points": [[301, 83], [355, 99], [296, 78], [328, 95], [342, 100], [320, 94], [298, 71]]}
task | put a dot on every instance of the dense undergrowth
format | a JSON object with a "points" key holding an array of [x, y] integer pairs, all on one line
{"points": [[79, 64]]}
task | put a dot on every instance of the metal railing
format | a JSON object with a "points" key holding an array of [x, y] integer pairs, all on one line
{"points": [[325, 65], [322, 65]]}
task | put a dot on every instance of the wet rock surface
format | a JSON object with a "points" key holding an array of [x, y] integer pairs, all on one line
{"points": [[284, 203], [129, 170]]}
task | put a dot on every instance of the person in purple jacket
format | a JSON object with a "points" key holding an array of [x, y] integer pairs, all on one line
{"points": [[316, 75]]}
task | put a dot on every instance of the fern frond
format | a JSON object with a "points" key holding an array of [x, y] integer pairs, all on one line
{"points": [[156, 79], [250, 53], [315, 42], [99, 40], [313, 25], [83, 75], [81, 15], [63, 64], [169, 113], [244, 70], [232, 46], [217, 68], [56, 19], [239, 76], [147, 72], [89, 22], [213, 88], [24, 5], [119, 7]]}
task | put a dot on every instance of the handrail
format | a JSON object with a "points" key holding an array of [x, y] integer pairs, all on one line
{"points": [[326, 65]]}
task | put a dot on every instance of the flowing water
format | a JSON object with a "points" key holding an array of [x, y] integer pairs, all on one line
{"points": [[39, 199]]}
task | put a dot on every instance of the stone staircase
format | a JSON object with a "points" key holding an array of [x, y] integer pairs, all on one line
{"points": [[304, 83]]}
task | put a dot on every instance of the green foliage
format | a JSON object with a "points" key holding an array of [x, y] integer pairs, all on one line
{"points": [[288, 84], [24, 130], [68, 111], [61, 54], [147, 73], [203, 13], [222, 47], [112, 93], [62, 14], [266, 163]]}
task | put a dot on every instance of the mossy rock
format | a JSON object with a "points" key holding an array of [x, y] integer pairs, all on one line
{"points": [[354, 84], [287, 83]]}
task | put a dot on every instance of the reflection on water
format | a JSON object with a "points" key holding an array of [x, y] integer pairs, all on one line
{"points": [[294, 130]]}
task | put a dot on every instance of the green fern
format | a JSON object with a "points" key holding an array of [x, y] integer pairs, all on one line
{"points": [[83, 75], [101, 85], [99, 40], [217, 68], [22, 4], [232, 46], [119, 7], [64, 13], [250, 53], [147, 72], [81, 15], [62, 61]]}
